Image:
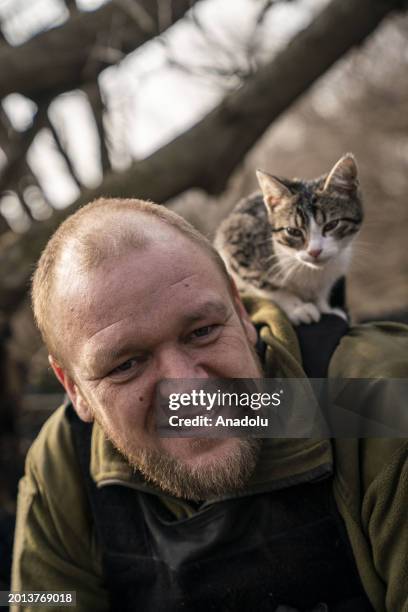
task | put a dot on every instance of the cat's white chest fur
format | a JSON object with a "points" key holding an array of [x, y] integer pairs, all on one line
{"points": [[305, 296], [314, 284]]}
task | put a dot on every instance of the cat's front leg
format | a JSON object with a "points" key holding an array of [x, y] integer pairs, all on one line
{"points": [[295, 309]]}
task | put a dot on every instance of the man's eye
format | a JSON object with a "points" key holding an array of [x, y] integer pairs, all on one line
{"points": [[127, 366], [201, 332], [331, 225], [293, 231]]}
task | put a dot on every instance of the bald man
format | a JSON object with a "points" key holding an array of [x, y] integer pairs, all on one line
{"points": [[127, 294]]}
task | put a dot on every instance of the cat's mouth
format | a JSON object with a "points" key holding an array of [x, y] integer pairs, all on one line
{"points": [[314, 265]]}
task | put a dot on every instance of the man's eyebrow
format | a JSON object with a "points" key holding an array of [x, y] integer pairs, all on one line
{"points": [[104, 356], [209, 308]]}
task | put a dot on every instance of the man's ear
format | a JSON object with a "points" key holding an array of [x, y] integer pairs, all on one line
{"points": [[249, 327], [80, 404]]}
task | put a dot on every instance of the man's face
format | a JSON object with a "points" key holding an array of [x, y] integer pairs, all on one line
{"points": [[164, 311]]}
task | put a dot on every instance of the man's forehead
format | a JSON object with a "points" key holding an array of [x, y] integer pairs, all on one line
{"points": [[137, 235], [140, 280]]}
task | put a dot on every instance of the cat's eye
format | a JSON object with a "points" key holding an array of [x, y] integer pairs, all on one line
{"points": [[294, 232], [331, 225]]}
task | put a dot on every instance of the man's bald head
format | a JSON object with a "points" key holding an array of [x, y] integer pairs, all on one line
{"points": [[105, 229]]}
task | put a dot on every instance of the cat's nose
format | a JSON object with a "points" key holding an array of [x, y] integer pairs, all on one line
{"points": [[314, 253]]}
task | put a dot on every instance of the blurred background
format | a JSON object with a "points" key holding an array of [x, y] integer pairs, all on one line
{"points": [[179, 101]]}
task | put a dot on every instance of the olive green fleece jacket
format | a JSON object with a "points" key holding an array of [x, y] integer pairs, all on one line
{"points": [[56, 548]]}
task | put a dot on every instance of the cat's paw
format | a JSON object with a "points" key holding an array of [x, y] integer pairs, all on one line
{"points": [[306, 312]]}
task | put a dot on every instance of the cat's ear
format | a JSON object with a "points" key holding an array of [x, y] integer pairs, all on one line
{"points": [[273, 190], [343, 176]]}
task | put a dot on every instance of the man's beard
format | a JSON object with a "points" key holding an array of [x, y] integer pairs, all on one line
{"points": [[216, 477]]}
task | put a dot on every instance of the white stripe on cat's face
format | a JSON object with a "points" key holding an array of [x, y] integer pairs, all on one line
{"points": [[319, 249]]}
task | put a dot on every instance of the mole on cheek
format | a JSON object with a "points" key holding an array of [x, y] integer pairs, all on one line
{"points": [[141, 399]]}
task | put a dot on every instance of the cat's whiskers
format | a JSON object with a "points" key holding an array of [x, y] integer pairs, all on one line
{"points": [[278, 268], [276, 272], [276, 263], [293, 267], [272, 257]]}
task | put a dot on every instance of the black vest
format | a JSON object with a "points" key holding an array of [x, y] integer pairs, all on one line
{"points": [[286, 547]]}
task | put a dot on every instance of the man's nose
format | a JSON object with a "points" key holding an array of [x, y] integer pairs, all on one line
{"points": [[177, 363], [314, 253]]}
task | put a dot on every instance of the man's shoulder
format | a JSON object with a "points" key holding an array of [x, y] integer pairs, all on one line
{"points": [[54, 488], [372, 350], [52, 460], [55, 535], [363, 465], [372, 497]]}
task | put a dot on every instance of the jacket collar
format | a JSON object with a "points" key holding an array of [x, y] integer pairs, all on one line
{"points": [[283, 463]]}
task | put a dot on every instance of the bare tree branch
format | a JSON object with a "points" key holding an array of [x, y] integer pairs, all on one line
{"points": [[212, 41], [268, 4], [19, 146], [8, 135], [206, 155], [139, 15], [17, 174], [71, 6], [29, 179], [23, 202], [165, 13], [54, 61], [98, 107], [4, 226], [61, 148]]}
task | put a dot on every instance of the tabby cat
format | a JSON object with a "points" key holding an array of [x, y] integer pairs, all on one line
{"points": [[293, 241]]}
